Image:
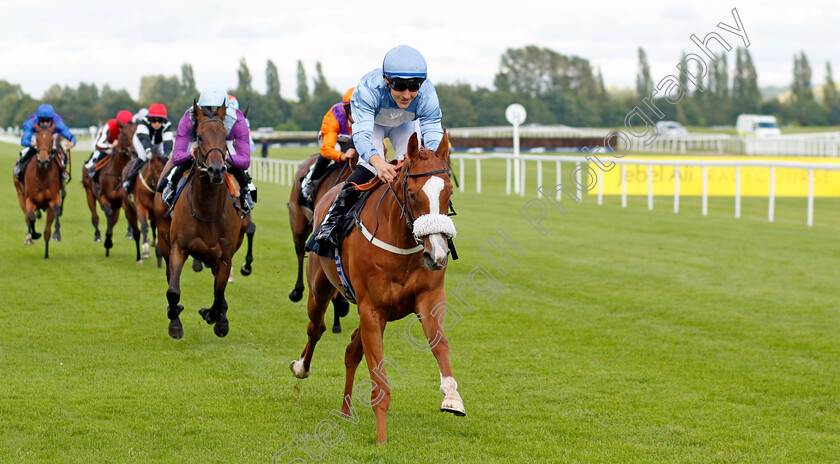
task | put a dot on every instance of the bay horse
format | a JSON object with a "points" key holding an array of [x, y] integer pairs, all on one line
{"points": [[397, 272], [109, 193], [204, 223], [139, 203], [41, 189], [300, 221]]}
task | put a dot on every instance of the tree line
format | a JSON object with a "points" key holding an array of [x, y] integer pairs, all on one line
{"points": [[554, 88]]}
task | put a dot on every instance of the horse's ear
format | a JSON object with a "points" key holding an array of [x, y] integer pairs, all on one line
{"points": [[443, 149], [245, 113], [196, 110], [220, 113], [412, 146]]}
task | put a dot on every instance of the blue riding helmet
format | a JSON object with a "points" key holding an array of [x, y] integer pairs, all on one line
{"points": [[404, 62], [45, 111], [212, 96]]}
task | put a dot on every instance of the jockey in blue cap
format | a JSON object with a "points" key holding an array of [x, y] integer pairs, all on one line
{"points": [[395, 101], [44, 117]]}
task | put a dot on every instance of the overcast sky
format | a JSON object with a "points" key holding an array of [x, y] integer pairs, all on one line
{"points": [[117, 42]]}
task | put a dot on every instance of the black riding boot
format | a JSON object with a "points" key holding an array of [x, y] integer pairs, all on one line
{"points": [[327, 233], [136, 166], [246, 197], [306, 194], [23, 161]]}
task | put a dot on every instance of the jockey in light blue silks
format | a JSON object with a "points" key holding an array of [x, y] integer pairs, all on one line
{"points": [[44, 116], [395, 101]]}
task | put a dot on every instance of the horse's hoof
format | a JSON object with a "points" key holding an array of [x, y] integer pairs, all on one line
{"points": [[129, 235], [139, 262], [28, 240], [230, 278], [176, 330], [295, 295], [197, 266], [145, 255], [56, 237], [221, 327], [297, 369], [36, 235], [336, 329], [454, 405], [245, 270], [205, 314], [97, 239]]}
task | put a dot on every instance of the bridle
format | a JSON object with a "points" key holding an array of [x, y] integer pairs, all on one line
{"points": [[201, 159]]}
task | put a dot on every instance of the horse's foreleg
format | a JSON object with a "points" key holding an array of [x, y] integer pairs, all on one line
{"points": [[113, 215], [352, 358], [131, 217], [217, 314], [31, 234], [432, 310], [371, 326], [340, 309], [52, 214], [57, 208], [142, 215], [249, 257], [320, 293], [297, 293], [173, 294]]}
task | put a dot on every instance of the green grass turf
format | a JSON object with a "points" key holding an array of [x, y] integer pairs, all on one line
{"points": [[623, 335]]}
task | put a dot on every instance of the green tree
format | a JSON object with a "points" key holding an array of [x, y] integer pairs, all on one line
{"points": [[320, 86], [644, 84], [188, 88], [159, 89], [830, 97], [302, 86], [455, 105], [272, 80], [244, 75]]}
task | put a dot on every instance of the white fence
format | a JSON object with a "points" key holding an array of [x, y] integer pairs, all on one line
{"points": [[282, 172]]}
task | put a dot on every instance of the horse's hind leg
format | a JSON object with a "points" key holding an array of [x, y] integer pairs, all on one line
{"points": [[31, 235], [320, 293], [91, 200], [249, 257], [217, 314], [173, 294], [57, 235], [297, 293]]}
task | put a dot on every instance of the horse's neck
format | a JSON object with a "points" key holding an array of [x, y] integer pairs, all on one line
{"points": [[208, 197], [390, 211]]}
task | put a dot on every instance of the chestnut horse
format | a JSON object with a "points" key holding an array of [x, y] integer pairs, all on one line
{"points": [[301, 224], [204, 223], [41, 189], [397, 272], [109, 192], [139, 205]]}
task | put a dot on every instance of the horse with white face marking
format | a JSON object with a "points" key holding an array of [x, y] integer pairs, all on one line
{"points": [[395, 271]]}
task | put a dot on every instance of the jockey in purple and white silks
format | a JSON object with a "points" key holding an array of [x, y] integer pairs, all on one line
{"points": [[393, 102], [239, 147]]}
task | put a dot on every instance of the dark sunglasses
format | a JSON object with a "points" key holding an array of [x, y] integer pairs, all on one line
{"points": [[160, 120], [45, 121], [400, 85]]}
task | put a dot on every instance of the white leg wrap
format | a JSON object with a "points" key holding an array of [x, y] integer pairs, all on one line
{"points": [[451, 399], [297, 369]]}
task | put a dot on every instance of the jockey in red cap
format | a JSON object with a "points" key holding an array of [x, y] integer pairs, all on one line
{"points": [[153, 133], [105, 140]]}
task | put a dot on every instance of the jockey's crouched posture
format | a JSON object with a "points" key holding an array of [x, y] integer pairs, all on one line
{"points": [[44, 116], [239, 149], [394, 102], [336, 144], [105, 141], [153, 132]]}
